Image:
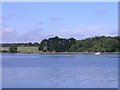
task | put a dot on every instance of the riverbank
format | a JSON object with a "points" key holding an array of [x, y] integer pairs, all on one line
{"points": [[34, 50], [59, 53]]}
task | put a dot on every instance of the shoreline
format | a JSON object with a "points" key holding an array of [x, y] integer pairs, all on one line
{"points": [[60, 53]]}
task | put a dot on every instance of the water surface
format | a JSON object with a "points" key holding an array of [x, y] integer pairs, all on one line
{"points": [[60, 71]]}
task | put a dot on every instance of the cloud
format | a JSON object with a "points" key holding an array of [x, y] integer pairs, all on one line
{"points": [[100, 11], [78, 32], [55, 19], [8, 30], [84, 31], [8, 34], [114, 33], [32, 35]]}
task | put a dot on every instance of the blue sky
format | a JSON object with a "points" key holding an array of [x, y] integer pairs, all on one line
{"points": [[34, 21]]}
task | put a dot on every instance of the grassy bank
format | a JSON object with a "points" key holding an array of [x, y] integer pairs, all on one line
{"points": [[21, 49], [32, 49]]}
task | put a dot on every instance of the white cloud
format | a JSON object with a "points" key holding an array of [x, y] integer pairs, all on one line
{"points": [[8, 30], [8, 34], [32, 35], [78, 32], [84, 31]]}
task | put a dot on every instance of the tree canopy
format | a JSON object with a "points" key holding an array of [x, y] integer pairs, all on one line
{"points": [[56, 44], [97, 44], [94, 44]]}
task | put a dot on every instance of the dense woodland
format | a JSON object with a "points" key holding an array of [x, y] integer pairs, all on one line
{"points": [[94, 44], [56, 44]]}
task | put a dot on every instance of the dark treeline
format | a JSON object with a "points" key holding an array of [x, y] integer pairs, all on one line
{"points": [[56, 44], [93, 44], [20, 44], [97, 44]]}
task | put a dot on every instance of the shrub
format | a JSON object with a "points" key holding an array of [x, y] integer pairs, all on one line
{"points": [[13, 48]]}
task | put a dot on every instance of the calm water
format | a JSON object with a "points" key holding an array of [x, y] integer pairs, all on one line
{"points": [[60, 71]]}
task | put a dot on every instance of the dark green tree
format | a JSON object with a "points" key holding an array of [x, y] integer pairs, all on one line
{"points": [[13, 48], [56, 44]]}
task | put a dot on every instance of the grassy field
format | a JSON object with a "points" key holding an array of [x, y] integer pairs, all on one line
{"points": [[28, 49], [4, 49], [23, 49]]}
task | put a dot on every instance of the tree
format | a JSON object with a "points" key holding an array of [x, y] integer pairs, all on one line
{"points": [[13, 48], [36, 44], [29, 44], [40, 47], [94, 44]]}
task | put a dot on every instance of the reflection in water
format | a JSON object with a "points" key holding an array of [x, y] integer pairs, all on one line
{"points": [[58, 56]]}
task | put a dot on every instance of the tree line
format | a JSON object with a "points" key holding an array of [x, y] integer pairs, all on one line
{"points": [[97, 44], [20, 44], [56, 44]]}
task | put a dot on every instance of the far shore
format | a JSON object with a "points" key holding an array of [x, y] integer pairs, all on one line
{"points": [[59, 53]]}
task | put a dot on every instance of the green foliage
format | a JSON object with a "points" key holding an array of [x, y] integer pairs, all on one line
{"points": [[56, 44], [4, 51], [13, 48], [97, 44], [94, 44]]}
